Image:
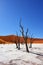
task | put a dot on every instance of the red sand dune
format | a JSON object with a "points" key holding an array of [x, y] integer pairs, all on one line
{"points": [[12, 38]]}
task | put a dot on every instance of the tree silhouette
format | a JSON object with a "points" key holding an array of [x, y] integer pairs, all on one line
{"points": [[18, 41], [31, 40], [25, 35]]}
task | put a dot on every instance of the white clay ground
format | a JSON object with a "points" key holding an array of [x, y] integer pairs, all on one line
{"points": [[9, 55]]}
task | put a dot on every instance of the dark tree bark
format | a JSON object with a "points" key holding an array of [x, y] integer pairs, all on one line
{"points": [[31, 41], [24, 36], [18, 43], [30, 45]]}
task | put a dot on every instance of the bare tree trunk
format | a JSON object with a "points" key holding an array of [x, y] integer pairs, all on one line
{"points": [[25, 39], [18, 46], [30, 45], [31, 41], [18, 43], [27, 48], [25, 36]]}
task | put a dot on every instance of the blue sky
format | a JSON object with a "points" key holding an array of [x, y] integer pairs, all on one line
{"points": [[31, 12]]}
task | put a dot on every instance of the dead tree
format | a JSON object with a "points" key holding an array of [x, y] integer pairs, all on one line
{"points": [[31, 41], [25, 36], [18, 42]]}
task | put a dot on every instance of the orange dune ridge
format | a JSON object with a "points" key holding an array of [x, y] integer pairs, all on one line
{"points": [[3, 42], [12, 38]]}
